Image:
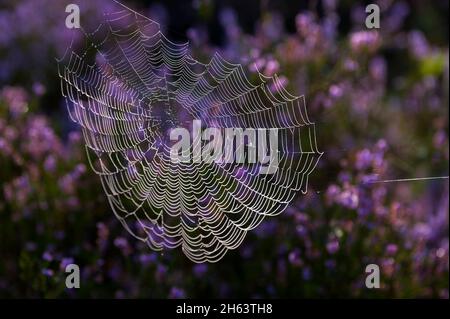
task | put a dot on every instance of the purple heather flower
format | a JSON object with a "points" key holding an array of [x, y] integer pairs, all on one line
{"points": [[301, 230], [272, 67], [50, 163], [75, 137], [159, 13], [147, 259], [100, 263], [440, 252], [161, 271], [349, 198], [123, 245], [344, 177], [422, 231], [18, 190], [79, 170], [301, 217], [350, 65], [388, 266], [10, 134], [8, 193], [228, 20], [358, 14], [364, 40], [271, 290], [272, 26], [336, 91], [330, 26], [365, 206], [305, 23], [40, 138], [60, 234], [72, 202], [330, 5], [47, 256], [16, 98], [200, 269], [266, 229], [65, 262], [177, 293], [247, 251], [330, 264], [379, 194], [294, 258], [227, 17], [102, 235], [378, 69], [363, 159], [48, 272], [115, 271], [418, 44], [439, 139], [30, 246], [396, 16], [197, 35], [257, 65], [391, 249], [281, 83], [306, 273], [39, 89], [332, 192], [443, 294], [67, 184], [368, 178], [333, 246]]}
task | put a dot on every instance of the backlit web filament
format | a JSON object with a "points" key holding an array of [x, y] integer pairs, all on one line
{"points": [[129, 86]]}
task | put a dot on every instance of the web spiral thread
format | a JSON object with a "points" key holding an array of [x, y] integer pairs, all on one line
{"points": [[128, 85]]}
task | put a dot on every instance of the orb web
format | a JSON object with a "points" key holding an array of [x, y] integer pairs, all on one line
{"points": [[129, 85]]}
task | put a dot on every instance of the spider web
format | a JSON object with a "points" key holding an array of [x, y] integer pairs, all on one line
{"points": [[129, 85]]}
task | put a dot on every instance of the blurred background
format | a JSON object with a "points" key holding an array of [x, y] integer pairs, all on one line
{"points": [[380, 103]]}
